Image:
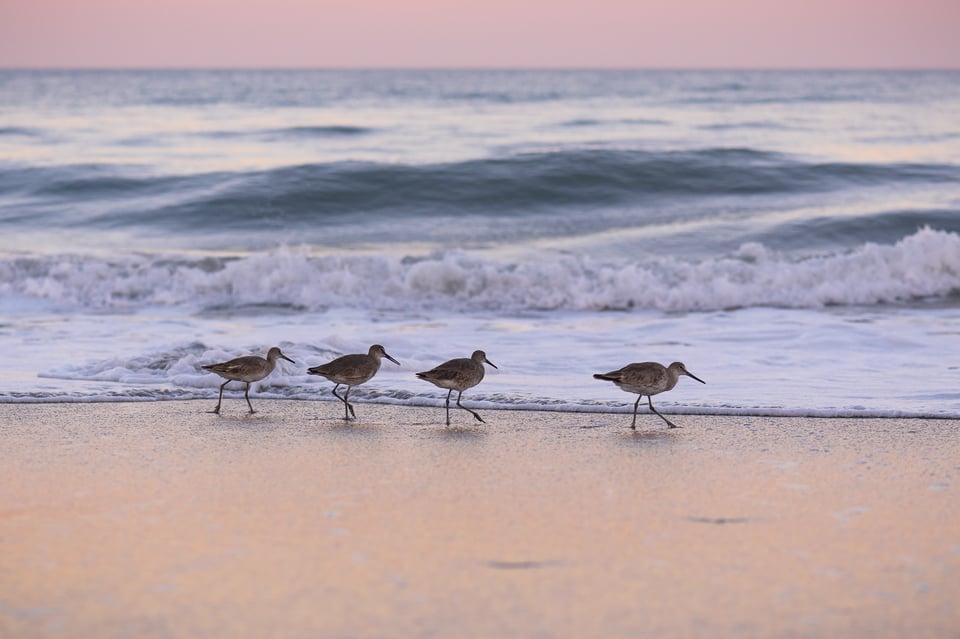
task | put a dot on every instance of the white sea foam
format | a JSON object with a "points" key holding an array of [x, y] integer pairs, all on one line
{"points": [[923, 265]]}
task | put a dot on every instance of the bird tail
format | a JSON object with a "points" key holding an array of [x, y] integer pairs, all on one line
{"points": [[605, 378], [316, 370]]}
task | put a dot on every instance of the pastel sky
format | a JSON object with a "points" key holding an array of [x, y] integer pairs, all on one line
{"points": [[480, 33]]}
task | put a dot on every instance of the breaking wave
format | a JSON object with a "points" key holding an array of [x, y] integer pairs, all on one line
{"points": [[922, 266]]}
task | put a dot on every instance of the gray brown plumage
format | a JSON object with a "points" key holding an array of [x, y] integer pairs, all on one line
{"points": [[458, 375], [352, 370], [648, 378], [250, 368]]}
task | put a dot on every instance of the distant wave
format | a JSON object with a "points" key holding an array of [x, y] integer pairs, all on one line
{"points": [[756, 124], [527, 184], [20, 131], [316, 131], [326, 130], [924, 265], [590, 122]]}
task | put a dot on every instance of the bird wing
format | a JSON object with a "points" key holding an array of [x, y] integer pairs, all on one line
{"points": [[441, 373], [646, 374], [641, 377], [349, 369], [233, 367]]}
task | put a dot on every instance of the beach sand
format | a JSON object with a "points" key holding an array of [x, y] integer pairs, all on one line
{"points": [[160, 520]]}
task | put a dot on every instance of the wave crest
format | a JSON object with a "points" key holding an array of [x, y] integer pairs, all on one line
{"points": [[525, 183]]}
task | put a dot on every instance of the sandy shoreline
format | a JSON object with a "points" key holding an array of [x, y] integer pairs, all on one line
{"points": [[160, 520]]}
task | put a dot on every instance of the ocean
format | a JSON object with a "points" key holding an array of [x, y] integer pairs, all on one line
{"points": [[792, 237]]}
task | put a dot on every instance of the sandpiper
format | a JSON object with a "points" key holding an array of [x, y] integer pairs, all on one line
{"points": [[250, 368], [352, 370], [648, 378], [458, 375]]}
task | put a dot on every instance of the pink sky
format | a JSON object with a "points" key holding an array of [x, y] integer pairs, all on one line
{"points": [[480, 33]]}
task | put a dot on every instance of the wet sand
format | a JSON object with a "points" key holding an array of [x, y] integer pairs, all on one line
{"points": [[159, 520]]}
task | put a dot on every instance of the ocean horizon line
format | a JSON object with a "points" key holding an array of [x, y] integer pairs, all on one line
{"points": [[488, 68]]}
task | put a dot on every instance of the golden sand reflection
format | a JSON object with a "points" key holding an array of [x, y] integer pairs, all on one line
{"points": [[193, 525]]}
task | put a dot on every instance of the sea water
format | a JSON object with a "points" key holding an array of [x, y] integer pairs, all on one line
{"points": [[792, 237]]}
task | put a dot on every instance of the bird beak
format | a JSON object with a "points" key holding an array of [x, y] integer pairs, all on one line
{"points": [[391, 359], [489, 362], [287, 358], [695, 377]]}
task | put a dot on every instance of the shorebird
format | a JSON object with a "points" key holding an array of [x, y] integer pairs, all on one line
{"points": [[352, 370], [458, 375], [648, 378], [246, 369]]}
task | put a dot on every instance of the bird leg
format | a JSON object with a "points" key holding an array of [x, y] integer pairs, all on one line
{"points": [[669, 423], [633, 425], [346, 400], [216, 410], [459, 395], [246, 395], [347, 408], [447, 405]]}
